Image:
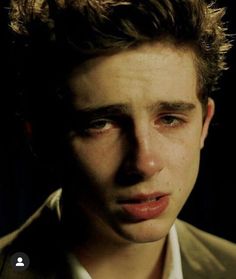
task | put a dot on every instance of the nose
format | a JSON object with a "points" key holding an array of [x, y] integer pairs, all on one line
{"points": [[147, 154], [146, 161], [144, 155]]}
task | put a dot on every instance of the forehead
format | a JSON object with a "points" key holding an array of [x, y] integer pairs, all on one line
{"points": [[150, 71]]}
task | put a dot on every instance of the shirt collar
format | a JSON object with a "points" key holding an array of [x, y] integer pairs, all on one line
{"points": [[173, 264], [78, 271]]}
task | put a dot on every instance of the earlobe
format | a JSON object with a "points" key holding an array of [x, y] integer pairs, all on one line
{"points": [[210, 110], [28, 129]]}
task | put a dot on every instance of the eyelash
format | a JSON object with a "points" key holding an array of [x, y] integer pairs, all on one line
{"points": [[94, 129], [176, 121]]}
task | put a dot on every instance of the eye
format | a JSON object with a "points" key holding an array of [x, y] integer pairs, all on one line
{"points": [[171, 121], [99, 126]]}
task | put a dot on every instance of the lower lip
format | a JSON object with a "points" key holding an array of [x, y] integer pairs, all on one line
{"points": [[146, 210]]}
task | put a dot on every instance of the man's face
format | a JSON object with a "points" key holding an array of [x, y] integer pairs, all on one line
{"points": [[137, 139]]}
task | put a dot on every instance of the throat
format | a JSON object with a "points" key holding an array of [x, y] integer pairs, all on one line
{"points": [[137, 261]]}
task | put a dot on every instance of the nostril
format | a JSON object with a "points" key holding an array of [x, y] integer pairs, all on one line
{"points": [[129, 178]]}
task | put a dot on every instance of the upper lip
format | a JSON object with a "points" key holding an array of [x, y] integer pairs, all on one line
{"points": [[141, 197]]}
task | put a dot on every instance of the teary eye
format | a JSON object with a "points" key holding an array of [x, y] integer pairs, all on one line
{"points": [[169, 121], [98, 126]]}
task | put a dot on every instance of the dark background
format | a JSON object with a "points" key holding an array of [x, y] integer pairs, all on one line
{"points": [[24, 184]]}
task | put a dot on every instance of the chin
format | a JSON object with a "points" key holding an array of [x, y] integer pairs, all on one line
{"points": [[145, 231]]}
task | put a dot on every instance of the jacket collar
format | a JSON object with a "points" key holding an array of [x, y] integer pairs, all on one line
{"points": [[198, 262]]}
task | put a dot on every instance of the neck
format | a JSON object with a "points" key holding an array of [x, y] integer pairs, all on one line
{"points": [[132, 260]]}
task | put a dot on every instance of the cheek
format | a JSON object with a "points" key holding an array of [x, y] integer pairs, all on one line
{"points": [[99, 158], [185, 166], [190, 167]]}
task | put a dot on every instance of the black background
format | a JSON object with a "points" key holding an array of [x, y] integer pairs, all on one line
{"points": [[24, 184]]}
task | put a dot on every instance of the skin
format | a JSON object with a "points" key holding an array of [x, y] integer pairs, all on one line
{"points": [[148, 145]]}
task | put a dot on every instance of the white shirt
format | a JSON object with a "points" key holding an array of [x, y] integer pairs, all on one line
{"points": [[172, 266]]}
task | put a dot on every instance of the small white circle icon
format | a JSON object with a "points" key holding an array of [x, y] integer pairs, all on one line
{"points": [[20, 261]]}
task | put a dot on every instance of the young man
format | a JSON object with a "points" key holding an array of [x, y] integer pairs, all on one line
{"points": [[120, 108]]}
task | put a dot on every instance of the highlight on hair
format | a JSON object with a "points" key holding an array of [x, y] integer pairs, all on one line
{"points": [[89, 28]]}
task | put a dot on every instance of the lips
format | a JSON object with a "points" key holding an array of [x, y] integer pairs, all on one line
{"points": [[144, 207]]}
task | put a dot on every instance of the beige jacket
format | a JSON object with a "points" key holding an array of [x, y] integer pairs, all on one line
{"points": [[41, 238]]}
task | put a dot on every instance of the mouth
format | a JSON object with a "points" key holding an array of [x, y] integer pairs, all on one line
{"points": [[142, 198], [144, 207], [134, 201]]}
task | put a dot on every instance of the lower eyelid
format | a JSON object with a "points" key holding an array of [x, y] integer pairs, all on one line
{"points": [[175, 122], [101, 128]]}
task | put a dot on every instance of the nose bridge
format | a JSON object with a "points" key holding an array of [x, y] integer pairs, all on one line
{"points": [[147, 149], [143, 138]]}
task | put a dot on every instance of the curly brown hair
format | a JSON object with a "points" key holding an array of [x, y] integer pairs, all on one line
{"points": [[90, 28]]}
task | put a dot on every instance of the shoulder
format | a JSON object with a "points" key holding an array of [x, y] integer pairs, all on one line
{"points": [[38, 238], [204, 252], [51, 204], [212, 242]]}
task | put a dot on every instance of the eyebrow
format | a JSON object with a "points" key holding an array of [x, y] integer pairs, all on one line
{"points": [[176, 106], [94, 112], [102, 111]]}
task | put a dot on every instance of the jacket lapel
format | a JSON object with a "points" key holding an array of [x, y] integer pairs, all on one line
{"points": [[41, 239], [198, 262]]}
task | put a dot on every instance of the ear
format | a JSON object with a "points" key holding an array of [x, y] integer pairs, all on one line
{"points": [[28, 129], [208, 117]]}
